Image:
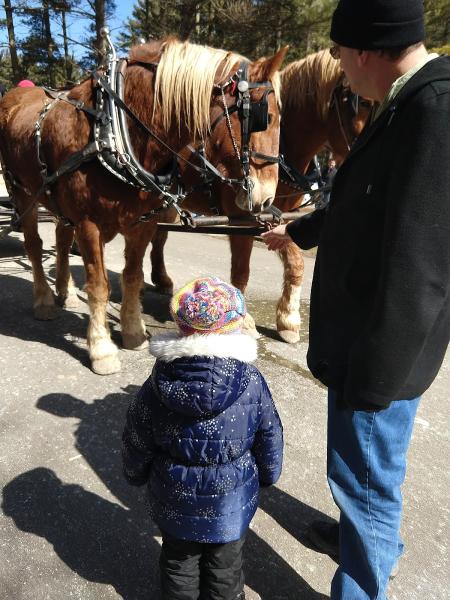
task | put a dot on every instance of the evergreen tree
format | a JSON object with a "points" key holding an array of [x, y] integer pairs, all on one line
{"points": [[69, 65], [16, 70], [41, 58], [437, 16], [97, 12], [155, 19], [6, 69]]}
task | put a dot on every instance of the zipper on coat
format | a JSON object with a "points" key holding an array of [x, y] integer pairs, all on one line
{"points": [[392, 110]]}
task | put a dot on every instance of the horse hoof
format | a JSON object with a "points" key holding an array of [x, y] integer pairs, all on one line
{"points": [[288, 336], [164, 290], [45, 312], [107, 365], [134, 342], [70, 301]]}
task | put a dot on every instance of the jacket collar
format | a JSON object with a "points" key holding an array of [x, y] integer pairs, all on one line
{"points": [[172, 345], [437, 69]]}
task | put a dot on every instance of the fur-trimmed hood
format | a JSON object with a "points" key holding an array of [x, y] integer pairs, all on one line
{"points": [[170, 346], [202, 375]]}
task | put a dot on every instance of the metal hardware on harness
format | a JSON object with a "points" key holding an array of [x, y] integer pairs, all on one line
{"points": [[297, 181], [230, 128], [260, 122]]}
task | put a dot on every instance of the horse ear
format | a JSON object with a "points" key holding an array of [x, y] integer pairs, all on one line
{"points": [[270, 66]]}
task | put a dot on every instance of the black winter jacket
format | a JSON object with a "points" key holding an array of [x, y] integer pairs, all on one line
{"points": [[380, 307]]}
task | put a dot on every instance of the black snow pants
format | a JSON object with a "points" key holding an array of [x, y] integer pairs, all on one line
{"points": [[200, 571]]}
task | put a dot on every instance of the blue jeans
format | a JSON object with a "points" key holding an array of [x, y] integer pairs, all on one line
{"points": [[366, 467]]}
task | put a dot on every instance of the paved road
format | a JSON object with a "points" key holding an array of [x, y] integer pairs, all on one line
{"points": [[71, 528]]}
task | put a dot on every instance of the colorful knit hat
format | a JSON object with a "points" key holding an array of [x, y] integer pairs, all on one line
{"points": [[208, 305]]}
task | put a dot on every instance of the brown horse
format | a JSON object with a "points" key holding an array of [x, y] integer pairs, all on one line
{"points": [[176, 89], [316, 112]]}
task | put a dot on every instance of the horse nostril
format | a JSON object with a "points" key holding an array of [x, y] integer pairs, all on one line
{"points": [[265, 205]]}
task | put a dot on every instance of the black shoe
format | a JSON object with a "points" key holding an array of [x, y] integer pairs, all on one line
{"points": [[324, 536]]}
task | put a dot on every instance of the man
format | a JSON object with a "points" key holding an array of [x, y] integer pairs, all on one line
{"points": [[328, 176], [330, 171], [380, 301]]}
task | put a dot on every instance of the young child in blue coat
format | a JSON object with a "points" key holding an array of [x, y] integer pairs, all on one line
{"points": [[204, 434]]}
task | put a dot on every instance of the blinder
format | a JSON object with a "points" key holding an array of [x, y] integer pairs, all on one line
{"points": [[259, 114], [254, 116]]}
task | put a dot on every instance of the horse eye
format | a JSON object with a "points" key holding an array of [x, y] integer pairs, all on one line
{"points": [[269, 118]]}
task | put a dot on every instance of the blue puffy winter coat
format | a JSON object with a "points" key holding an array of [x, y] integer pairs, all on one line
{"points": [[204, 433]]}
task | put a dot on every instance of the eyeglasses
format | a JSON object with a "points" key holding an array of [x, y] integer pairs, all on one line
{"points": [[335, 52]]}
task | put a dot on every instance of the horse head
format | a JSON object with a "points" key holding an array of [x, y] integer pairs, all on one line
{"points": [[319, 110], [245, 130], [221, 103], [347, 116]]}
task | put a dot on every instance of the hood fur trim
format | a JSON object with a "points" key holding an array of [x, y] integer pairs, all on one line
{"points": [[170, 346]]}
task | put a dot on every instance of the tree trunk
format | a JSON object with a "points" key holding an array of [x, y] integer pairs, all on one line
{"points": [[147, 19], [68, 67], [16, 70], [279, 31], [49, 43], [100, 42]]}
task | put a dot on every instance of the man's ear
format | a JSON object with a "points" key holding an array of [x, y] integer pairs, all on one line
{"points": [[362, 57]]}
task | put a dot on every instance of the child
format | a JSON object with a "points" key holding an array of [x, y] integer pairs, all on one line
{"points": [[204, 433]]}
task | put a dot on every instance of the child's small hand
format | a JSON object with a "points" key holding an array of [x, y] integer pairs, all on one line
{"points": [[276, 238]]}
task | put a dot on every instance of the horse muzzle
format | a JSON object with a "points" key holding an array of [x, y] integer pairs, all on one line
{"points": [[255, 196]]}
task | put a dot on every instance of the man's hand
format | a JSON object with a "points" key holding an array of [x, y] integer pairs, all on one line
{"points": [[276, 238]]}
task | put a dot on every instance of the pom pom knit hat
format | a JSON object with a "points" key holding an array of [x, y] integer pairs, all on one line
{"points": [[208, 305]]}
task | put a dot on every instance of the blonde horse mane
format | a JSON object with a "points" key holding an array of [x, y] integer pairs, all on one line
{"points": [[184, 82], [311, 79]]}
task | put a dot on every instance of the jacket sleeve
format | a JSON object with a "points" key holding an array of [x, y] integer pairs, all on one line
{"points": [[305, 231], [268, 445], [137, 439], [412, 297]]}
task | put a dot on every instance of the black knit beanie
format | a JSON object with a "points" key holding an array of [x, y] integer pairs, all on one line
{"points": [[378, 24]]}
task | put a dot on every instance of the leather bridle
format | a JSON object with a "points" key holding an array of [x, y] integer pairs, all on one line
{"points": [[253, 116], [343, 93]]}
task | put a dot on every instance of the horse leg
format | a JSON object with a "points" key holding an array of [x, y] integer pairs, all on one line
{"points": [[288, 306], [65, 287], [241, 248], [160, 278], [134, 335], [102, 350], [43, 299]]}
